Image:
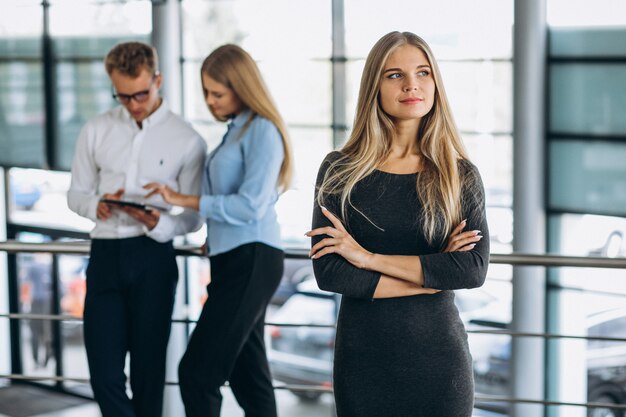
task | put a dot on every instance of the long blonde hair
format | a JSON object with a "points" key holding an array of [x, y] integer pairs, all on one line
{"points": [[233, 67], [439, 185]]}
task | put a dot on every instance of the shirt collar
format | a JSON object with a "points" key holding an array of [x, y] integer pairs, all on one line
{"points": [[241, 118], [158, 115]]}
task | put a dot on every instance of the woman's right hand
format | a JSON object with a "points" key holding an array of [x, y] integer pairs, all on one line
{"points": [[169, 196], [172, 197], [460, 241]]}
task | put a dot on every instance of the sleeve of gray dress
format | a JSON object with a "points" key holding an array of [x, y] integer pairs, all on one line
{"points": [[456, 270], [332, 272]]}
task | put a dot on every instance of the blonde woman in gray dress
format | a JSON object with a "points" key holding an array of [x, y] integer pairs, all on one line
{"points": [[399, 223]]}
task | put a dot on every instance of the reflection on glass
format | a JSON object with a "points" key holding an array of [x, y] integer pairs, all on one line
{"points": [[38, 198], [488, 308], [35, 297], [590, 235], [588, 98], [587, 176], [589, 369], [73, 288]]}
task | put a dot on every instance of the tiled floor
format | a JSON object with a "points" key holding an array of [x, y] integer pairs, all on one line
{"points": [[88, 410], [288, 405]]}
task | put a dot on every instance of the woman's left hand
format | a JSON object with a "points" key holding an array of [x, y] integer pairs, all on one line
{"points": [[339, 241]]}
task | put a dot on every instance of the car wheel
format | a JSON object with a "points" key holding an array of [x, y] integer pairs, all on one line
{"points": [[307, 396], [604, 412]]}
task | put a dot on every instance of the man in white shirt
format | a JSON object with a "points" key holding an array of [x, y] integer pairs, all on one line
{"points": [[132, 272]]}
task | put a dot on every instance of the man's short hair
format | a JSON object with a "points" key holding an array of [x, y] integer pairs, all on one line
{"points": [[129, 58]]}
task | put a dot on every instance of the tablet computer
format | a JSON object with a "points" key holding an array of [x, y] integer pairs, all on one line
{"points": [[135, 204]]}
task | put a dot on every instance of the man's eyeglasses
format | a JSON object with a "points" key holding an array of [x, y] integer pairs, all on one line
{"points": [[139, 96]]}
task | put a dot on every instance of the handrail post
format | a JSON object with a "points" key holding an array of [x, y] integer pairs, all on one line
{"points": [[5, 338]]}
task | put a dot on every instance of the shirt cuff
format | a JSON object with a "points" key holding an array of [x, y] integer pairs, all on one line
{"points": [[206, 205], [164, 229], [92, 209]]}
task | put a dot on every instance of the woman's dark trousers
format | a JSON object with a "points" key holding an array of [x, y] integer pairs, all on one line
{"points": [[227, 343]]}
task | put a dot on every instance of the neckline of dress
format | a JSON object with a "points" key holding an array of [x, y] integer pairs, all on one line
{"points": [[393, 173]]}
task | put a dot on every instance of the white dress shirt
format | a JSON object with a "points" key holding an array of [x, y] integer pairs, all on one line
{"points": [[112, 152]]}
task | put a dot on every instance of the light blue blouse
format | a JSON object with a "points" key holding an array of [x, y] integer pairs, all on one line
{"points": [[240, 186]]}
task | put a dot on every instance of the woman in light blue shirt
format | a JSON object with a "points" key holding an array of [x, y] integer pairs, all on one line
{"points": [[243, 178]]}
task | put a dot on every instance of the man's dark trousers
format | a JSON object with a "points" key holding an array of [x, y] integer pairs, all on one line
{"points": [[130, 296]]}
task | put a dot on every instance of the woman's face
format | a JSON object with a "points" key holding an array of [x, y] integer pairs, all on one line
{"points": [[222, 101], [407, 90]]}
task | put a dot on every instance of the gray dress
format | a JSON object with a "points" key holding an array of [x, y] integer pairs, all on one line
{"points": [[406, 356]]}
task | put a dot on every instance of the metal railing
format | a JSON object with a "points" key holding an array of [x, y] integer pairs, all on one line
{"points": [[83, 247]]}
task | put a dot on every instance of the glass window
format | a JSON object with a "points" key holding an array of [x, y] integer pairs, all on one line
{"points": [[38, 198], [600, 42], [98, 19], [302, 95], [582, 13], [22, 113], [35, 297], [587, 177], [590, 235], [83, 89], [72, 284], [479, 29], [480, 93], [588, 98], [288, 30], [493, 156]]}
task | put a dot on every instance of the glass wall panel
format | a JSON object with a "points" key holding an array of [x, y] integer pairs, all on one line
{"points": [[281, 30], [587, 177], [22, 112], [480, 29], [582, 13], [302, 93], [35, 297], [98, 19], [588, 98], [590, 235], [603, 42], [493, 156], [38, 198], [295, 206], [72, 284], [480, 93], [83, 91], [588, 370]]}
